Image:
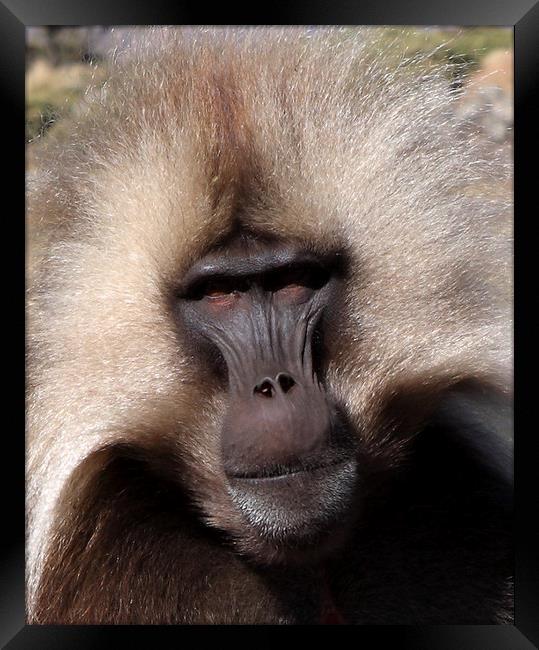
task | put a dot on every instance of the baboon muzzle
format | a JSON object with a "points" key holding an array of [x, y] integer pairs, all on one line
{"points": [[259, 306], [278, 420]]}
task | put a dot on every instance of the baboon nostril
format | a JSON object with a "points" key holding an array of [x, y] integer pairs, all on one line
{"points": [[285, 382], [265, 389]]}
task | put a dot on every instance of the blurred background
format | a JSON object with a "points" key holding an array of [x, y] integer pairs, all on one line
{"points": [[63, 62]]}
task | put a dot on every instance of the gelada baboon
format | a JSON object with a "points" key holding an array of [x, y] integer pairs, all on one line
{"points": [[269, 365]]}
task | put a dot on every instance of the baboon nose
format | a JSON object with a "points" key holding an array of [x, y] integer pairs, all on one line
{"points": [[285, 381], [282, 423], [268, 387]]}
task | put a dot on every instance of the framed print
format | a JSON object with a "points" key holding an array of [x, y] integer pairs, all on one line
{"points": [[268, 325]]}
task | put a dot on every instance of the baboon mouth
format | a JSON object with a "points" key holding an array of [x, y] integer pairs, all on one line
{"points": [[279, 472], [299, 506]]}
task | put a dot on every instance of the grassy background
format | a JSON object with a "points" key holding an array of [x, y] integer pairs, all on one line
{"points": [[63, 62]]}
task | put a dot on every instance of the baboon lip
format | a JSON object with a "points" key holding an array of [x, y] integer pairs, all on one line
{"points": [[300, 507], [282, 473]]}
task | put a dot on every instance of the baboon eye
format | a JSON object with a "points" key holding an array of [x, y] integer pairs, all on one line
{"points": [[222, 299], [294, 292], [296, 284], [218, 291]]}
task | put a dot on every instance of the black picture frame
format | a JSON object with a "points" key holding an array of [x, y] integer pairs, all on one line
{"points": [[16, 15]]}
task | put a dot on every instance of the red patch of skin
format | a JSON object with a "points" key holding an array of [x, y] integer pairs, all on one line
{"points": [[332, 617], [329, 613]]}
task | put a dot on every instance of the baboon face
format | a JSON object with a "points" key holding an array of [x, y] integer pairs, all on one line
{"points": [[252, 310]]}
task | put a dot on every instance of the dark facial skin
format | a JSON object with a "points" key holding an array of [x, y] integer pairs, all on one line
{"points": [[287, 456]]}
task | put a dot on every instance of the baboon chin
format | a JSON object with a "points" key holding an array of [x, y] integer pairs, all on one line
{"points": [[269, 363]]}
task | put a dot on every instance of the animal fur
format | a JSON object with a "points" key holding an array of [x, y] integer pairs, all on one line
{"points": [[324, 138]]}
